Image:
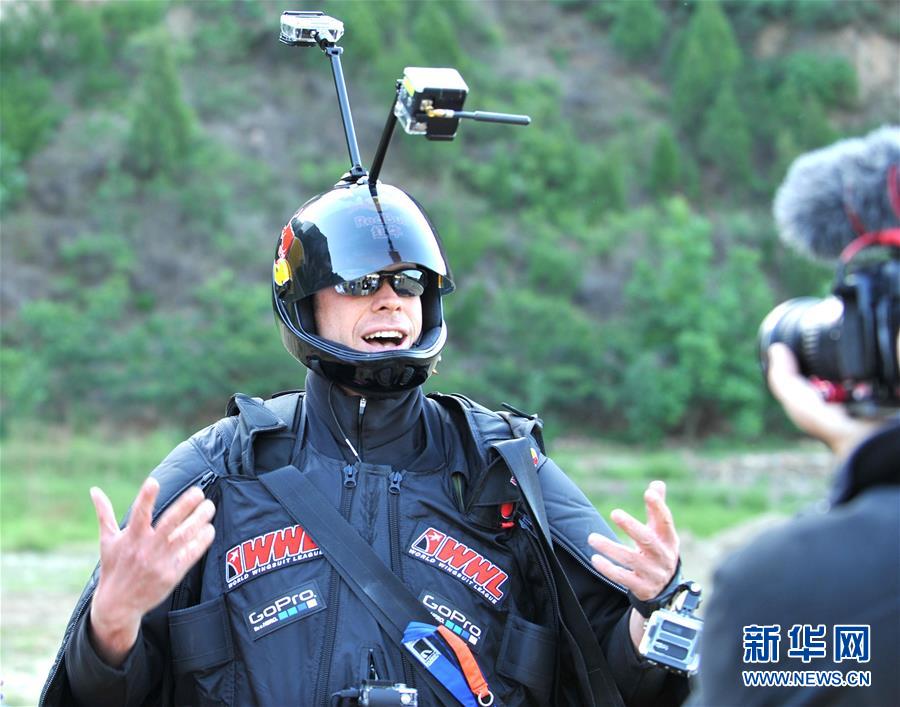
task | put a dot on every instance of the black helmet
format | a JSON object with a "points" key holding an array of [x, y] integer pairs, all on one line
{"points": [[342, 234]]}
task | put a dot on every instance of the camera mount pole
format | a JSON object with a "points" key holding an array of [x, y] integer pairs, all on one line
{"points": [[334, 53], [386, 136]]}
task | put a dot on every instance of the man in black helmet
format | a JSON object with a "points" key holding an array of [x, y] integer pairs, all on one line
{"points": [[228, 599]]}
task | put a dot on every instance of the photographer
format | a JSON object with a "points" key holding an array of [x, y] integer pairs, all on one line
{"points": [[809, 613]]}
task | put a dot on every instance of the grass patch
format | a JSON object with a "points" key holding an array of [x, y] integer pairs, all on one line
{"points": [[702, 503], [45, 476]]}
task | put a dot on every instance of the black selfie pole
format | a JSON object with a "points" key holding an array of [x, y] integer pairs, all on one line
{"points": [[334, 53], [386, 135]]}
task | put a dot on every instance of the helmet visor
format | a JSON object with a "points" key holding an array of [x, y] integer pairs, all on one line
{"points": [[348, 233]]}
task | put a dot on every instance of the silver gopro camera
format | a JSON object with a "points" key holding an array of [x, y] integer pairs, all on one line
{"points": [[672, 636], [308, 29]]}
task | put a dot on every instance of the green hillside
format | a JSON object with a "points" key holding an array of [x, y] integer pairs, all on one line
{"points": [[613, 260]]}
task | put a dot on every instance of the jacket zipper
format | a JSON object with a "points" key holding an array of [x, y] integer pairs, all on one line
{"points": [[359, 428], [204, 483], [350, 472], [396, 477], [545, 568], [558, 542]]}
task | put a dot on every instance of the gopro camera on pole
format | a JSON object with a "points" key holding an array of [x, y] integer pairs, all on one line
{"points": [[361, 226]]}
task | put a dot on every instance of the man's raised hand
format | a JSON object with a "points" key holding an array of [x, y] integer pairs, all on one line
{"points": [[141, 564]]}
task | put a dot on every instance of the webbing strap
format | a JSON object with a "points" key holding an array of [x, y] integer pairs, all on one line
{"points": [[576, 629], [380, 590]]}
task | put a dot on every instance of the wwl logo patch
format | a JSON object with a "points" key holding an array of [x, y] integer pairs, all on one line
{"points": [[269, 551], [460, 561]]}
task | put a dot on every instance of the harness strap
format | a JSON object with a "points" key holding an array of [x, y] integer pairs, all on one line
{"points": [[576, 629]]}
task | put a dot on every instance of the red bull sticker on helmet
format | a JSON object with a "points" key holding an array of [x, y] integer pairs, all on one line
{"points": [[281, 272], [462, 562], [266, 552]]}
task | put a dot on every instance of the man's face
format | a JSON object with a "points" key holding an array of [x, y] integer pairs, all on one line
{"points": [[379, 322]]}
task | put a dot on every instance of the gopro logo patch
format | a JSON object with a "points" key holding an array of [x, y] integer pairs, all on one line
{"points": [[452, 618], [293, 605]]}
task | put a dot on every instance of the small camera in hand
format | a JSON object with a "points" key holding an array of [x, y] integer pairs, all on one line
{"points": [[672, 636]]}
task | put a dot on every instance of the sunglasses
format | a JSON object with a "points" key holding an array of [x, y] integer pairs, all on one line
{"points": [[406, 283]]}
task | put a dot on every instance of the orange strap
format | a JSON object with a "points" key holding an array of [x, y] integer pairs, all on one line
{"points": [[474, 677]]}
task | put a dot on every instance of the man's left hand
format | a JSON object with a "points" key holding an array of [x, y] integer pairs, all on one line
{"points": [[647, 568]]}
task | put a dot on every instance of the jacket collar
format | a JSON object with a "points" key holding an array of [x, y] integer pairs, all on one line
{"points": [[875, 462], [390, 430]]}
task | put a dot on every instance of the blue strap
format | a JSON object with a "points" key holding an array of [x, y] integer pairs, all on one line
{"points": [[416, 638]]}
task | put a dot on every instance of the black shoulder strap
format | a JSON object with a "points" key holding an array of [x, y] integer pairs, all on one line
{"points": [[380, 590], [266, 433], [584, 649], [509, 434]]}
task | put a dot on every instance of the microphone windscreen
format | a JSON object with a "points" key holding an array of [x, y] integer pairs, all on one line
{"points": [[826, 189]]}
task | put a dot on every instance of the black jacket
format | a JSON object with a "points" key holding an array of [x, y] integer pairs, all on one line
{"points": [[834, 568], [402, 502]]}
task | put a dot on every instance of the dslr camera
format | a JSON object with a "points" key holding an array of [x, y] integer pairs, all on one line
{"points": [[841, 204], [847, 343]]}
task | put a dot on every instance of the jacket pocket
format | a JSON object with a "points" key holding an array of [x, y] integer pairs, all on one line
{"points": [[200, 638], [528, 656]]}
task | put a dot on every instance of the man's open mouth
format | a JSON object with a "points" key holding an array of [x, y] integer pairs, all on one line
{"points": [[385, 338]]}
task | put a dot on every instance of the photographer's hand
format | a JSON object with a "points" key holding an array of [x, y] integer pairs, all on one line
{"points": [[803, 403], [141, 564], [647, 568]]}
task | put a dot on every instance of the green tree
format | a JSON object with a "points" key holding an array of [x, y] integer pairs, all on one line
{"points": [[163, 126], [708, 57], [665, 164], [637, 28], [726, 139], [29, 111]]}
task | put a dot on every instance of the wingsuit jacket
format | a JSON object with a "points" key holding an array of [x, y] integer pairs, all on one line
{"points": [[264, 619]]}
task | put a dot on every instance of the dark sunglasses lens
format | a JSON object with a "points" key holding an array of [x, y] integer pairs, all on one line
{"points": [[410, 283], [406, 283], [360, 287]]}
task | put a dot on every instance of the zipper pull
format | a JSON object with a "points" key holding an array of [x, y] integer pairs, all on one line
{"points": [[396, 477], [206, 480], [350, 472]]}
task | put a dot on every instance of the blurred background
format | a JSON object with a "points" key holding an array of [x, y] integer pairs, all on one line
{"points": [[613, 260]]}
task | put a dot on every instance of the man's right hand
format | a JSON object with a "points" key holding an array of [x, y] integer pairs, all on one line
{"points": [[141, 564], [803, 403]]}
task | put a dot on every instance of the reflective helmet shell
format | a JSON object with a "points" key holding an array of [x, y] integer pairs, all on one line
{"points": [[343, 234]]}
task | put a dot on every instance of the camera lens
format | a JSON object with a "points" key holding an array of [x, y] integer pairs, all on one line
{"points": [[811, 328]]}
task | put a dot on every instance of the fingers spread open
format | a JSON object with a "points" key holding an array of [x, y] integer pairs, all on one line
{"points": [[188, 529], [659, 516], [637, 531], [106, 517], [142, 509], [613, 550], [176, 514], [192, 549]]}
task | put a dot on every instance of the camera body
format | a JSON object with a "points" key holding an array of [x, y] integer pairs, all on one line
{"points": [[672, 639], [307, 29], [848, 341], [672, 634]]}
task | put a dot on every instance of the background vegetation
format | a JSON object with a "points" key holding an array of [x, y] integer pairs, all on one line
{"points": [[613, 260]]}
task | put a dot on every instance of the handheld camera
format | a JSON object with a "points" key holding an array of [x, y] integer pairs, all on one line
{"points": [[842, 203], [672, 636]]}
